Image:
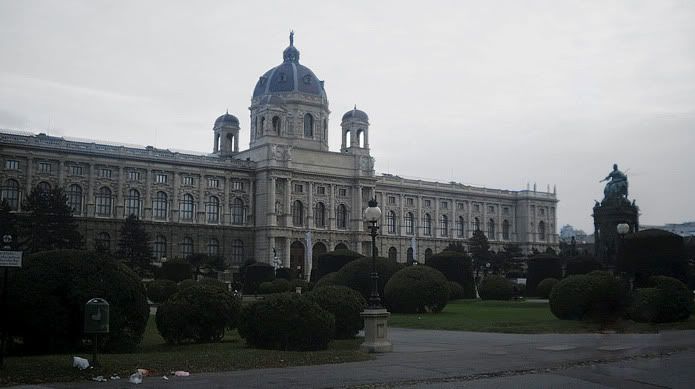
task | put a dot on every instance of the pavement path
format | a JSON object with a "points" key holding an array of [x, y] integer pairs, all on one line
{"points": [[451, 359]]}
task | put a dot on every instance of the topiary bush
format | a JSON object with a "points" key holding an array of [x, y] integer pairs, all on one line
{"points": [[256, 274], [198, 314], [597, 295], [328, 279], [582, 265], [645, 305], [356, 274], [333, 261], [540, 267], [47, 295], [456, 266], [416, 289], [345, 304], [456, 291], [675, 299], [653, 252], [286, 321], [544, 287], [214, 282], [278, 285], [286, 273], [186, 284], [570, 297], [160, 290], [175, 270], [496, 288], [297, 283]]}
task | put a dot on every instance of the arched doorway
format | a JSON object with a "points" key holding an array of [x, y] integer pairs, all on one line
{"points": [[341, 246], [393, 254], [297, 258], [319, 249]]}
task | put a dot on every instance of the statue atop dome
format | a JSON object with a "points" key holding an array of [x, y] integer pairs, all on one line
{"points": [[291, 37]]}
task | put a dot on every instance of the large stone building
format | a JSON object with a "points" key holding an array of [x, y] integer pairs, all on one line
{"points": [[263, 201]]}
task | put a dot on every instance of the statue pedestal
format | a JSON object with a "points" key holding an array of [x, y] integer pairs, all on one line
{"points": [[376, 331], [607, 216]]}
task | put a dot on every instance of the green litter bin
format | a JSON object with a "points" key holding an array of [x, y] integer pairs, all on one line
{"points": [[96, 316]]}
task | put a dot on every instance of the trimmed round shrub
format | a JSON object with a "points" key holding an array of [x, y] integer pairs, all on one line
{"points": [[496, 288], [187, 284], [540, 267], [356, 274], [328, 279], [582, 265], [47, 295], [570, 297], [198, 314], [597, 295], [544, 287], [256, 274], [297, 283], [160, 290], [653, 252], [213, 282], [457, 267], [645, 305], [417, 289], [333, 261], [176, 270], [456, 291], [278, 285], [345, 304], [286, 273], [286, 321], [675, 300]]}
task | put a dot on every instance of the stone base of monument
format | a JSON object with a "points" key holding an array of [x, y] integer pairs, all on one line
{"points": [[607, 215], [376, 331]]}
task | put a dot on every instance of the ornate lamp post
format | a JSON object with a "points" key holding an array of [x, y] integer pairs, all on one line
{"points": [[376, 330], [372, 215], [622, 229]]}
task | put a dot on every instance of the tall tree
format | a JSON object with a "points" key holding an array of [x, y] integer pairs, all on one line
{"points": [[479, 247], [48, 223], [134, 245], [8, 222]]}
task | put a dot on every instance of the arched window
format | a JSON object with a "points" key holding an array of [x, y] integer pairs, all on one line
{"points": [[325, 129], [391, 222], [443, 225], [410, 254], [541, 230], [75, 198], [276, 124], [186, 247], [476, 224], [10, 193], [460, 227], [340, 246], [393, 254], [505, 230], [341, 216], [409, 223], [161, 206], [491, 230], [320, 215], [213, 247], [237, 251], [104, 200], [132, 203], [360, 138], [427, 225], [187, 207], [102, 242], [428, 254], [297, 213], [212, 209], [160, 247], [308, 126], [261, 128], [238, 211], [44, 187]]}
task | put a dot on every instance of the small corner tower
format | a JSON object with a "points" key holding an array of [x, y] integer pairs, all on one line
{"points": [[355, 125], [226, 131]]}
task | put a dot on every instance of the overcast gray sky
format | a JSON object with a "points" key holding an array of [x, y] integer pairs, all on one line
{"points": [[489, 93]]}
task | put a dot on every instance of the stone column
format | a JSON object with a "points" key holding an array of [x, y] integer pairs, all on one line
{"points": [[225, 204], [30, 175], [357, 213], [200, 212], [286, 260], [146, 208], [90, 191], [288, 205], [61, 173], [331, 208], [437, 232], [418, 218], [271, 202], [251, 205], [310, 206], [400, 229], [172, 206]]}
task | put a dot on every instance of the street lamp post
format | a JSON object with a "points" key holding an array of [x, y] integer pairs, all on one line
{"points": [[376, 334], [622, 229]]}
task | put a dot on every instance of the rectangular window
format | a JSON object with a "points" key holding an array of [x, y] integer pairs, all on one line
{"points": [[298, 188], [188, 180], [505, 210], [160, 178], [490, 209], [409, 201], [342, 192], [44, 167], [213, 183], [542, 211], [133, 175], [476, 207], [444, 205], [11, 164], [428, 203], [237, 185], [459, 206], [321, 190], [105, 173], [392, 200], [76, 170]]}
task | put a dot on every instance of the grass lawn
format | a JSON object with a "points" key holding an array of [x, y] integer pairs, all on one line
{"points": [[518, 317], [161, 359]]}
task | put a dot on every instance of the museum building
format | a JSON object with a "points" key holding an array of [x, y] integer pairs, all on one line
{"points": [[285, 199]]}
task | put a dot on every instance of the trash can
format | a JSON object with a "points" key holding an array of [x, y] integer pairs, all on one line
{"points": [[96, 316]]}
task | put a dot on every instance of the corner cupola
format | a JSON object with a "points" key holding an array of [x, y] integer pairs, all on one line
{"points": [[226, 129], [355, 126]]}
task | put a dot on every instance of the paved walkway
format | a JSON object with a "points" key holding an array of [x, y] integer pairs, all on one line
{"points": [[424, 358]]}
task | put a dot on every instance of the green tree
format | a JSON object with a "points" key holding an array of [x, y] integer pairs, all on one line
{"points": [[8, 222], [479, 248], [48, 223], [134, 245]]}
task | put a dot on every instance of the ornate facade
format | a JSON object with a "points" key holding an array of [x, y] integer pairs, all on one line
{"points": [[285, 197]]}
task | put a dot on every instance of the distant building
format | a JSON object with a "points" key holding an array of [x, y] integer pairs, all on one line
{"points": [[567, 232], [682, 229]]}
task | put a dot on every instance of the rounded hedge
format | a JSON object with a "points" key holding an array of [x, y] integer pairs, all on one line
{"points": [[297, 283], [598, 295], [46, 299], [286, 321], [456, 291], [345, 304], [675, 299], [416, 289], [160, 290], [199, 314], [279, 285], [496, 288], [456, 266], [328, 279], [645, 305], [570, 297], [214, 282], [356, 274], [544, 287], [187, 284], [256, 274]]}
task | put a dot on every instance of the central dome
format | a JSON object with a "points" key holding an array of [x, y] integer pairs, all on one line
{"points": [[289, 77]]}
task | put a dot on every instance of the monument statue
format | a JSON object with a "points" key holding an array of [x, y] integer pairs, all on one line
{"points": [[617, 186]]}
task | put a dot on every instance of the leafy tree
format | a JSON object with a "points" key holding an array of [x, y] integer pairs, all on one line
{"points": [[8, 221], [479, 247], [550, 251], [203, 264], [457, 247], [134, 245], [48, 223], [512, 250]]}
